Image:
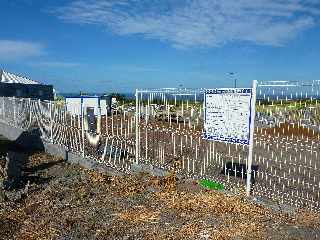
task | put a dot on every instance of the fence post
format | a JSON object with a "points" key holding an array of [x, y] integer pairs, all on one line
{"points": [[2, 110], [51, 121], [252, 118], [14, 111], [98, 130], [82, 126], [40, 108], [30, 113], [137, 127]]}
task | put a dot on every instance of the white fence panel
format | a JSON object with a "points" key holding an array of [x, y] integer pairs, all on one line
{"points": [[164, 128]]}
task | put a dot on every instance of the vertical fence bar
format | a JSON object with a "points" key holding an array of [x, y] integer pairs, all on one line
{"points": [[252, 118], [14, 111], [38, 116], [99, 120], [30, 112], [3, 112], [137, 127], [51, 121], [82, 127]]}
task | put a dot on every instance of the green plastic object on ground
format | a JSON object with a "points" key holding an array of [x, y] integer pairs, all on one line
{"points": [[210, 184]]}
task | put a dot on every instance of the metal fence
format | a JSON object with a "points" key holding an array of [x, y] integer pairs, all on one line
{"points": [[170, 125], [285, 163], [108, 139], [287, 142], [164, 128]]}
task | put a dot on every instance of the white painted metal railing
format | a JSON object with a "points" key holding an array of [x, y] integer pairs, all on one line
{"points": [[164, 127], [111, 141]]}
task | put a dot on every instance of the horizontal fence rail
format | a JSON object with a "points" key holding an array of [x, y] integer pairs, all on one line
{"points": [[164, 128]]}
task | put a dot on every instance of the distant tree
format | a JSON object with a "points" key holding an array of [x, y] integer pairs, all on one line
{"points": [[59, 98], [83, 93]]}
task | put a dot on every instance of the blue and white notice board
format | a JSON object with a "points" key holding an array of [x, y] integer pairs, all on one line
{"points": [[227, 115]]}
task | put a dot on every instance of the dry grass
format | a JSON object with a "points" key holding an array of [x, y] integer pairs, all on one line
{"points": [[82, 204], [139, 214], [306, 218]]}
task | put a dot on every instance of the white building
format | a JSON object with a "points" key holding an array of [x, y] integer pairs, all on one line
{"points": [[90, 103], [12, 85]]}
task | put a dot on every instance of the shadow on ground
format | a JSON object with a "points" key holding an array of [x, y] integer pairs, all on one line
{"points": [[15, 159]]}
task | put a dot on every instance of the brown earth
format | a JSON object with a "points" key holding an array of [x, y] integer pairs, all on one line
{"points": [[68, 202], [286, 129]]}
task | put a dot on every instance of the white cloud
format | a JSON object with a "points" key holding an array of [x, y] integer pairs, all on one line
{"points": [[14, 50], [188, 23]]}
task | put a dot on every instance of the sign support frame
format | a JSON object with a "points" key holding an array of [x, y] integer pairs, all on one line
{"points": [[250, 155]]}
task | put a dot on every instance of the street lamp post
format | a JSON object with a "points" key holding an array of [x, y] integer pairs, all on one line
{"points": [[233, 75]]}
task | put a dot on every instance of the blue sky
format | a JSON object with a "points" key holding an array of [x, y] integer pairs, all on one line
{"points": [[120, 45]]}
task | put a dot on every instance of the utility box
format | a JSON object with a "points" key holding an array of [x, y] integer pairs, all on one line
{"points": [[73, 104]]}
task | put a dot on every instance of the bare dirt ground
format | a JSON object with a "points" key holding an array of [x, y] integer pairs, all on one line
{"points": [[64, 201]]}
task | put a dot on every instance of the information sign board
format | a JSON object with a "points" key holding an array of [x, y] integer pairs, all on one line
{"points": [[227, 115]]}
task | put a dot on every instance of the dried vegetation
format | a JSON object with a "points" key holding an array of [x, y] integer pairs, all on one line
{"points": [[81, 204]]}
